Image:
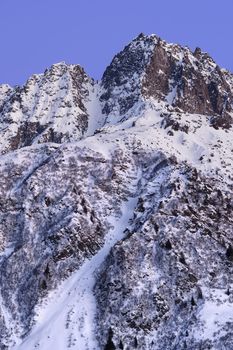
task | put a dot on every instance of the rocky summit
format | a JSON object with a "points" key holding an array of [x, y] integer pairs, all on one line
{"points": [[116, 205]]}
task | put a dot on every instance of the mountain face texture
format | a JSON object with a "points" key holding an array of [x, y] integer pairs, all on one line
{"points": [[116, 205]]}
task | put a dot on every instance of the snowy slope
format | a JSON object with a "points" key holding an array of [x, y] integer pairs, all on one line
{"points": [[66, 320], [57, 106]]}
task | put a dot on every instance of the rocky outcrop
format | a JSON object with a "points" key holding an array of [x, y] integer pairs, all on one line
{"points": [[50, 107], [151, 68], [121, 82], [191, 81], [170, 264], [54, 209]]}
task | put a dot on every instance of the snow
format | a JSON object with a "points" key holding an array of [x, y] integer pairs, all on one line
{"points": [[7, 251], [12, 326], [216, 312], [96, 119], [65, 320], [172, 95], [206, 148]]}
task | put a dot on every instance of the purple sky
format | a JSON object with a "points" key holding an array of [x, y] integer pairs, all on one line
{"points": [[36, 33]]}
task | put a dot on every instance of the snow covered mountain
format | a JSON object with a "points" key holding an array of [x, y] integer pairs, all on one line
{"points": [[116, 205]]}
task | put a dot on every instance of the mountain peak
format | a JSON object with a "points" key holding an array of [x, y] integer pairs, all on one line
{"points": [[145, 37], [149, 67]]}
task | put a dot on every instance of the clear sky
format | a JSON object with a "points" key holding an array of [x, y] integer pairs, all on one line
{"points": [[37, 33]]}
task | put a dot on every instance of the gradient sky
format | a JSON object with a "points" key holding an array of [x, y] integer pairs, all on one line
{"points": [[37, 33]]}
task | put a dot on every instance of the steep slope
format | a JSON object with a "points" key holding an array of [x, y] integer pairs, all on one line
{"points": [[52, 107], [168, 285], [116, 205], [54, 209], [73, 306], [151, 68]]}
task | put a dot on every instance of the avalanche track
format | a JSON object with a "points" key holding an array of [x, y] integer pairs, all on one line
{"points": [[66, 318]]}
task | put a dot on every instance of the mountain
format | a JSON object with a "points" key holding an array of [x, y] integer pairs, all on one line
{"points": [[116, 204]]}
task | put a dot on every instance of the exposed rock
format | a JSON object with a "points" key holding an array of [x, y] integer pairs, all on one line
{"points": [[51, 107], [164, 285], [151, 68]]}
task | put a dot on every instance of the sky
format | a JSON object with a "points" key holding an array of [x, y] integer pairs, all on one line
{"points": [[34, 34]]}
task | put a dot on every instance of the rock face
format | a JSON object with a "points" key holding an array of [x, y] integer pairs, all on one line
{"points": [[116, 205], [151, 68], [169, 268], [190, 81], [122, 80], [51, 107]]}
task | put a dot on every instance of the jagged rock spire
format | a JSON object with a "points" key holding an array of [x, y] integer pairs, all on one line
{"points": [[151, 68]]}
